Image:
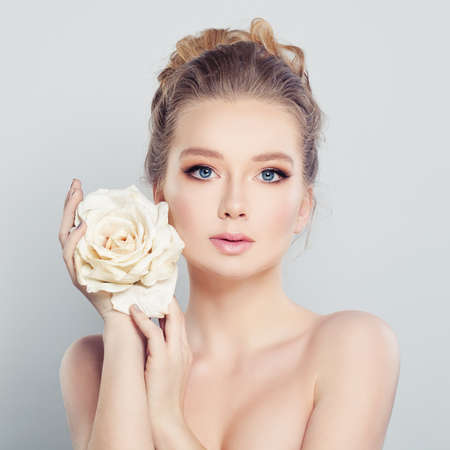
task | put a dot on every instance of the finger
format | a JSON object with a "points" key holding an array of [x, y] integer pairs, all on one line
{"points": [[70, 246], [68, 216], [76, 184], [174, 323], [74, 196], [150, 330], [180, 328], [69, 192]]}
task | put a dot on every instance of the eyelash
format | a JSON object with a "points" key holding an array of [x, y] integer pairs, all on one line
{"points": [[279, 172]]}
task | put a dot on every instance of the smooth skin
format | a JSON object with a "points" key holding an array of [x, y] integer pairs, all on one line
{"points": [[266, 372]]}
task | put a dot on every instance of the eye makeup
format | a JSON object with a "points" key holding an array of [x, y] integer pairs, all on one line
{"points": [[194, 168]]}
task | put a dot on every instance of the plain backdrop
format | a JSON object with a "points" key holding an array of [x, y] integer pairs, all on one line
{"points": [[77, 79]]}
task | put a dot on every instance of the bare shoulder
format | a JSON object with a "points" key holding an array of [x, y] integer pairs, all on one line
{"points": [[356, 374], [84, 354], [79, 375], [355, 340], [92, 343], [345, 323]]}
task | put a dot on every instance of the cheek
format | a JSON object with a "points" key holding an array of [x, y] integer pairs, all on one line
{"points": [[191, 219], [187, 215], [279, 215]]}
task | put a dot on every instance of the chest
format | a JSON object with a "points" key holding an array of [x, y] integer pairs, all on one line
{"points": [[264, 405]]}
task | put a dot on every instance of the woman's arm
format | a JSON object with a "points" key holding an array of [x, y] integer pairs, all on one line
{"points": [[105, 401], [122, 421]]}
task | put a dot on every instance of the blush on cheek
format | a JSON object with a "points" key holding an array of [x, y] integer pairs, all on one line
{"points": [[284, 217], [188, 214]]}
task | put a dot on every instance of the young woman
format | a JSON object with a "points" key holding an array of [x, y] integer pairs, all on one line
{"points": [[233, 151]]}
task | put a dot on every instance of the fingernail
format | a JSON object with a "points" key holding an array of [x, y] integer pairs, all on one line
{"points": [[136, 308]]}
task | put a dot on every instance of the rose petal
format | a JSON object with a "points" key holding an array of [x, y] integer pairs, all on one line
{"points": [[154, 300]]}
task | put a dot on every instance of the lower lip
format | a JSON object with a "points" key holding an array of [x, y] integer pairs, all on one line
{"points": [[231, 247]]}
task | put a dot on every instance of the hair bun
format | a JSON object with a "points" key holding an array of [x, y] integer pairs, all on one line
{"points": [[261, 32]]}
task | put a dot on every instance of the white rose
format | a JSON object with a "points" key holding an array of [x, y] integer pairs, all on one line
{"points": [[129, 249]]}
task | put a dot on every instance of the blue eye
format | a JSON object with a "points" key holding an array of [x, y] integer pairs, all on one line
{"points": [[274, 171], [205, 170], [202, 169]]}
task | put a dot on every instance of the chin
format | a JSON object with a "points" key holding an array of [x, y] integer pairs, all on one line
{"points": [[230, 267]]}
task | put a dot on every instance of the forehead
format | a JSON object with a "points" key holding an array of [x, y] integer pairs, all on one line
{"points": [[238, 127]]}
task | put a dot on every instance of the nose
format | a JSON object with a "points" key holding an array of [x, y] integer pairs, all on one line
{"points": [[233, 204]]}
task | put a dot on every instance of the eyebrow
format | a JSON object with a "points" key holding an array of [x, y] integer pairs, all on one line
{"points": [[213, 154]]}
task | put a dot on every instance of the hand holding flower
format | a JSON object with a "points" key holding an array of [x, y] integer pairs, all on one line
{"points": [[129, 250], [69, 238]]}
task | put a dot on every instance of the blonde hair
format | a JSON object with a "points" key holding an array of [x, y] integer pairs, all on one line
{"points": [[229, 64]]}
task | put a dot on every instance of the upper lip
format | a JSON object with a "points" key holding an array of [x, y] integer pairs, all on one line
{"points": [[233, 237]]}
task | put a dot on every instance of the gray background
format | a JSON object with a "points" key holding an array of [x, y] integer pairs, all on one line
{"points": [[77, 80]]}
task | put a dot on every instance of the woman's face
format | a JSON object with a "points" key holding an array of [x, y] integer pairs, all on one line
{"points": [[235, 193]]}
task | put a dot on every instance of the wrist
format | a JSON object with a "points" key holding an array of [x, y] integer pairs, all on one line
{"points": [[119, 323], [114, 314]]}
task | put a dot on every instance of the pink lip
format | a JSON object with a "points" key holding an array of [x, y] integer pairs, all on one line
{"points": [[231, 248], [233, 237]]}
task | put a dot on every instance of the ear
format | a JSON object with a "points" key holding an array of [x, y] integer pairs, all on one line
{"points": [[158, 195], [304, 211]]}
